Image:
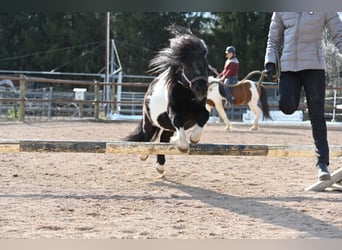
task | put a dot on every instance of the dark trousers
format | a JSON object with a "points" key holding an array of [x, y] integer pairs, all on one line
{"points": [[313, 82], [229, 81]]}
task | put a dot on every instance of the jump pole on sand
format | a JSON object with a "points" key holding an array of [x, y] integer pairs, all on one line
{"points": [[335, 182], [153, 148]]}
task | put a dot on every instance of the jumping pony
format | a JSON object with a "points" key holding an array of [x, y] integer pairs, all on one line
{"points": [[176, 100], [244, 92]]}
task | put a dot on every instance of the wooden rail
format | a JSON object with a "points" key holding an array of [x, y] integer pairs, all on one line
{"points": [[148, 148], [122, 147]]}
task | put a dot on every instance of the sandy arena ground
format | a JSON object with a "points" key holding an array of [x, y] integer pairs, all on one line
{"points": [[106, 196]]}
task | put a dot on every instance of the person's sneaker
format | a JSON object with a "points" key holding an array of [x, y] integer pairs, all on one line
{"points": [[323, 172]]}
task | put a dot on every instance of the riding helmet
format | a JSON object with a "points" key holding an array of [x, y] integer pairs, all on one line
{"points": [[230, 49]]}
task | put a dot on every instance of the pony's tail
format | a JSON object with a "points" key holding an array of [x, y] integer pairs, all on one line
{"points": [[138, 134], [264, 104]]}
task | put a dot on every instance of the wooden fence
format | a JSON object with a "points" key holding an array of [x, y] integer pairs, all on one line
{"points": [[96, 101], [22, 99]]}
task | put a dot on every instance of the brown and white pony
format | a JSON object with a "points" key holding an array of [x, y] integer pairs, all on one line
{"points": [[245, 92]]}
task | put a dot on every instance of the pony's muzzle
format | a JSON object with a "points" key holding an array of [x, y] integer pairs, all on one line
{"points": [[200, 88]]}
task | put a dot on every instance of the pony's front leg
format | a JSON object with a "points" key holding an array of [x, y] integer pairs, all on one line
{"points": [[180, 136], [222, 113], [197, 132], [180, 139]]}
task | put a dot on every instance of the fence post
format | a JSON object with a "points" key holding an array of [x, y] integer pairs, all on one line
{"points": [[96, 101], [50, 102], [22, 98], [113, 98]]}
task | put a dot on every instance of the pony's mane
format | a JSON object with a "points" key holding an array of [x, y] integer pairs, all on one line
{"points": [[183, 45]]}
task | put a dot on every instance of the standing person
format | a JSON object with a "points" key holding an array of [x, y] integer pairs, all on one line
{"points": [[229, 75], [299, 38]]}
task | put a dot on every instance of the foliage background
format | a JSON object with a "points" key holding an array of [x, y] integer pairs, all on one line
{"points": [[75, 42]]}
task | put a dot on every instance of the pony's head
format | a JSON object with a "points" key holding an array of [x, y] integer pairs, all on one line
{"points": [[186, 61]]}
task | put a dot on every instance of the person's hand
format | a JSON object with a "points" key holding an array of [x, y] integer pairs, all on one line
{"points": [[270, 71]]}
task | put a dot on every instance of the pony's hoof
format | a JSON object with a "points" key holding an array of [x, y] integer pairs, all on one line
{"points": [[227, 128], [160, 169], [143, 157], [194, 142], [183, 149], [253, 128]]}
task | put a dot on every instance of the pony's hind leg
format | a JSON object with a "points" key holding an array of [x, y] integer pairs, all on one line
{"points": [[164, 137], [143, 133], [150, 138], [257, 113]]}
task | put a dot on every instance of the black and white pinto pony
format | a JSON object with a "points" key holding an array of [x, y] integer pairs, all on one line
{"points": [[175, 100], [245, 92]]}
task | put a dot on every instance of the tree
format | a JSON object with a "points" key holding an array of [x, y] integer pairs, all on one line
{"points": [[140, 35], [74, 42], [45, 42], [333, 62], [247, 32]]}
